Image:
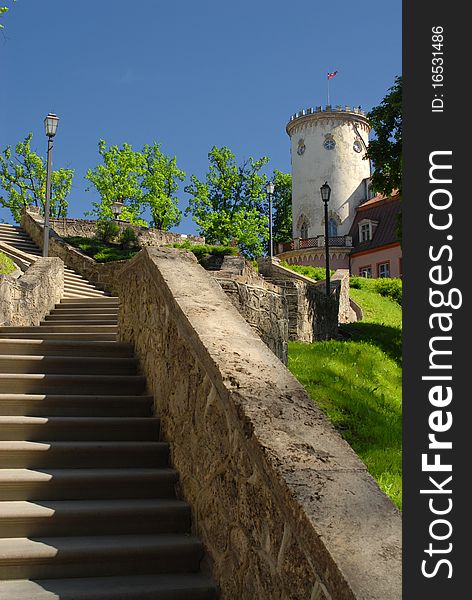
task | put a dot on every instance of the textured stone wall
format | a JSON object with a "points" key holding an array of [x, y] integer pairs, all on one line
{"points": [[344, 312], [146, 236], [284, 507], [264, 310], [312, 316], [27, 300]]}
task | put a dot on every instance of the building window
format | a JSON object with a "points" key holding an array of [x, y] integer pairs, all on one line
{"points": [[383, 269], [304, 230], [365, 232], [332, 228], [366, 272]]}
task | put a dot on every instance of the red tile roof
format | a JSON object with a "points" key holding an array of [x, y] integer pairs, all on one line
{"points": [[383, 211]]}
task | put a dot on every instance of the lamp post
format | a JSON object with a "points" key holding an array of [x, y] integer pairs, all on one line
{"points": [[50, 126], [116, 208], [270, 192], [325, 194]]}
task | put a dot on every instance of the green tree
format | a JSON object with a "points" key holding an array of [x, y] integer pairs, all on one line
{"points": [[160, 183], [4, 10], [282, 206], [118, 180], [230, 205], [385, 150], [23, 179]]}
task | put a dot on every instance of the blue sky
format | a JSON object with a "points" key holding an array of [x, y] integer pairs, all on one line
{"points": [[189, 74]]}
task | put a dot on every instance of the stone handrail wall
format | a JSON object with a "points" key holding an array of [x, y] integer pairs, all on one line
{"points": [[265, 311], [285, 508], [312, 316], [344, 313], [103, 275], [27, 300], [274, 270]]}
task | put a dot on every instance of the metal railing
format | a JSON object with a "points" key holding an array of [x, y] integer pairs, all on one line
{"points": [[337, 241]]}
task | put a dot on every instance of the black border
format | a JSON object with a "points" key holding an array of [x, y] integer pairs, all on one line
{"points": [[423, 133]]}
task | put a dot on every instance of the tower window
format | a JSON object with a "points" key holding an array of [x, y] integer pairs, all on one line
{"points": [[304, 230]]}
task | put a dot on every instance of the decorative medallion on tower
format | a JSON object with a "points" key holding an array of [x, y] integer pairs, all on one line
{"points": [[329, 143], [301, 147]]}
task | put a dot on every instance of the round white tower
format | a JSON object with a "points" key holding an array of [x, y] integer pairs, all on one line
{"points": [[327, 145]]}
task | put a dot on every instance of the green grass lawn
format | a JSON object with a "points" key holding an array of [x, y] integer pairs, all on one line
{"points": [[7, 266], [101, 251], [356, 381]]}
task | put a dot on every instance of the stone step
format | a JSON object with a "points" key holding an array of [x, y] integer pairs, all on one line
{"points": [[59, 405], [40, 383], [43, 335], [46, 428], [75, 292], [83, 304], [21, 518], [80, 295], [92, 365], [65, 348], [114, 300], [59, 557], [59, 329], [55, 455], [77, 484], [20, 245], [74, 278], [182, 586], [87, 320], [80, 286], [65, 313], [15, 235]]}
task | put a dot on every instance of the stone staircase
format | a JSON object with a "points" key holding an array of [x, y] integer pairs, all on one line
{"points": [[75, 286], [88, 509]]}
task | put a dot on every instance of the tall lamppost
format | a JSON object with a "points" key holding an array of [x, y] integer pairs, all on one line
{"points": [[50, 126], [270, 192], [325, 194]]}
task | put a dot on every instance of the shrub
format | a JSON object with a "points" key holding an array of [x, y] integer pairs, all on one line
{"points": [[107, 231], [391, 288], [128, 238], [357, 283], [203, 251]]}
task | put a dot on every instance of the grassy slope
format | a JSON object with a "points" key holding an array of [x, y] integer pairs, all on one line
{"points": [[100, 251], [357, 383], [7, 266]]}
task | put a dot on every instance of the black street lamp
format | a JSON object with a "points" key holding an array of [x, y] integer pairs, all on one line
{"points": [[325, 195], [270, 192], [50, 126]]}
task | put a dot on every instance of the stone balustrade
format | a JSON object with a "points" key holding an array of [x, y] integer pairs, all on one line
{"points": [[284, 506], [26, 300]]}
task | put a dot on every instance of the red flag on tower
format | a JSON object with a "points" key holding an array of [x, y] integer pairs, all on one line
{"points": [[331, 75]]}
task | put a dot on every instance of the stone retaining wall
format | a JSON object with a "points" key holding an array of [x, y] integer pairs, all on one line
{"points": [[285, 508], [146, 236], [264, 310], [26, 300]]}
